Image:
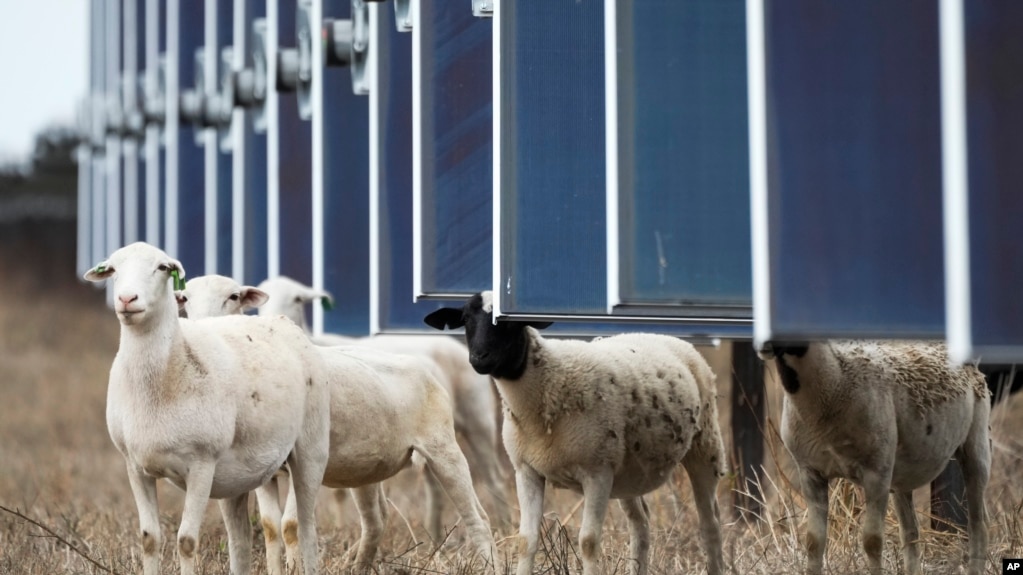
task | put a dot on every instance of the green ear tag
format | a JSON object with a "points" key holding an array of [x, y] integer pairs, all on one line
{"points": [[179, 284], [327, 305], [100, 269]]}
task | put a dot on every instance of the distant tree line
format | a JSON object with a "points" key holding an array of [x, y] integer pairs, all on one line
{"points": [[45, 186]]}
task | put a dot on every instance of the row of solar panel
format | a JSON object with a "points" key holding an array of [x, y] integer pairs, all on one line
{"points": [[847, 167]]}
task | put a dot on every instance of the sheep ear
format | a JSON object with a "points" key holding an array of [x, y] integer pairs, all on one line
{"points": [[448, 317], [181, 299], [326, 301], [253, 297], [311, 294], [99, 273], [177, 272]]}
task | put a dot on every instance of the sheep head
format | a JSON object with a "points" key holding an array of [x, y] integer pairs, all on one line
{"points": [[498, 349], [215, 295], [288, 298], [141, 274]]}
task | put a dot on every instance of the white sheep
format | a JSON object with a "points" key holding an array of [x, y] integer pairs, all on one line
{"points": [[609, 418], [216, 296], [370, 389], [889, 417], [475, 406], [216, 407]]}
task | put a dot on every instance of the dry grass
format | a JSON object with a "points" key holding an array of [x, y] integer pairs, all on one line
{"points": [[60, 470]]}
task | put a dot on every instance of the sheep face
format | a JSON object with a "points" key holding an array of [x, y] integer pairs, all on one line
{"points": [[499, 350], [214, 296], [288, 297], [776, 349], [141, 273]]}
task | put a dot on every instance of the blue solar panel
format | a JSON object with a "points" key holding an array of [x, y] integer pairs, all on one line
{"points": [[255, 173], [190, 156], [295, 169], [396, 311], [346, 195], [683, 158], [114, 53], [454, 49], [137, 230], [994, 106], [853, 143], [225, 211], [552, 196], [155, 152]]}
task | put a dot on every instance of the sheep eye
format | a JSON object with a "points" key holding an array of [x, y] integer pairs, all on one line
{"points": [[233, 297], [162, 267]]}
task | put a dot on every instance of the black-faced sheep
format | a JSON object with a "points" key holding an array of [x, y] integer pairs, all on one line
{"points": [[888, 416], [609, 418]]}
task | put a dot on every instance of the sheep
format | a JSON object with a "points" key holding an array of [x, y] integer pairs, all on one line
{"points": [[475, 407], [609, 418], [216, 295], [371, 389], [887, 416], [216, 407]]}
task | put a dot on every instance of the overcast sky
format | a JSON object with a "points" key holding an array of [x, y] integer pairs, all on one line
{"points": [[43, 68]]}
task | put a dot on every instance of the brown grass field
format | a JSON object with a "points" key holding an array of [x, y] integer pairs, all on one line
{"points": [[63, 483]]}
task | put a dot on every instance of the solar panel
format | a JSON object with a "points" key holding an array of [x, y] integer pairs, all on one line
{"points": [[392, 308], [250, 154], [680, 201], [290, 164], [154, 104], [133, 54], [986, 256], [453, 131], [848, 195], [551, 185], [114, 168], [343, 118], [185, 166]]}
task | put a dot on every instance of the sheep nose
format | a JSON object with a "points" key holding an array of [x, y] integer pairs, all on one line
{"points": [[127, 299]]}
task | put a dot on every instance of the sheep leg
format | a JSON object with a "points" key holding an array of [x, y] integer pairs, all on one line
{"points": [[530, 486], [340, 495], [434, 506], [975, 460], [909, 531], [268, 501], [815, 491], [638, 513], [875, 492], [446, 461], [143, 487], [704, 479], [306, 475], [367, 501], [289, 532], [480, 434], [596, 494], [197, 495], [235, 511]]}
